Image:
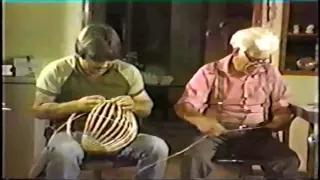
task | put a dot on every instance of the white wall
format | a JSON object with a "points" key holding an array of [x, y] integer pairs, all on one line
{"points": [[304, 90], [46, 31]]}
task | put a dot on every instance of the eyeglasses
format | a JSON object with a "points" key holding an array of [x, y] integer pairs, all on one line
{"points": [[256, 60]]}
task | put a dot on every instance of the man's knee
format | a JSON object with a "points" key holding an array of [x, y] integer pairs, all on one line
{"points": [[66, 152], [294, 161], [65, 161], [205, 149], [286, 166], [65, 149], [197, 162], [155, 146]]}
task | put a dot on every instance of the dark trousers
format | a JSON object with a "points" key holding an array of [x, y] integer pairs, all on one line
{"points": [[280, 160]]}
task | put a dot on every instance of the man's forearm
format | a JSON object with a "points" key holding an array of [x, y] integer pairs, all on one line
{"points": [[281, 118], [188, 113], [279, 122], [143, 108], [56, 110]]}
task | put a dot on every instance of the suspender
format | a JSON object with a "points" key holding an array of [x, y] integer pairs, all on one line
{"points": [[219, 89], [267, 102], [219, 92]]}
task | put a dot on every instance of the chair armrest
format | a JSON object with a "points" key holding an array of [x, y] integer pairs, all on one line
{"points": [[307, 113]]}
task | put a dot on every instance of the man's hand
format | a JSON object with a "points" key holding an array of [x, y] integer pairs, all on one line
{"points": [[87, 103], [271, 126], [126, 102], [210, 127], [278, 123]]}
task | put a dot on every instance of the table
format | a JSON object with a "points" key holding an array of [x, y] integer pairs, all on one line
{"points": [[310, 113]]}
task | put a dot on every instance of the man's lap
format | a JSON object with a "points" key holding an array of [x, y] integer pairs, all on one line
{"points": [[70, 145], [260, 146]]}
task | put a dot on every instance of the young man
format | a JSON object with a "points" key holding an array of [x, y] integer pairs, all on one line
{"points": [[76, 84], [241, 89]]}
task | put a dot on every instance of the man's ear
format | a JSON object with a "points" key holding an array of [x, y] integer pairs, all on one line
{"points": [[235, 51]]}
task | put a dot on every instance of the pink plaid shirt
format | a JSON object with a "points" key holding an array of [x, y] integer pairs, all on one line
{"points": [[243, 101]]}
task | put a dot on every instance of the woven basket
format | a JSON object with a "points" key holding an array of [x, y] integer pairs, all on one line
{"points": [[108, 128]]}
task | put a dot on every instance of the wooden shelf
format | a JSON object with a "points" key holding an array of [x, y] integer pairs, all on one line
{"points": [[296, 46], [299, 73], [302, 36]]}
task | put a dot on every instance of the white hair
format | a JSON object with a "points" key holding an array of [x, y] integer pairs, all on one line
{"points": [[255, 40]]}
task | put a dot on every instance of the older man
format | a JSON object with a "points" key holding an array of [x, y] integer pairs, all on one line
{"points": [[76, 84], [242, 89]]}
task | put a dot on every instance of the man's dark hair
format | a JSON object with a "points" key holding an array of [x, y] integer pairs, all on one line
{"points": [[99, 43]]}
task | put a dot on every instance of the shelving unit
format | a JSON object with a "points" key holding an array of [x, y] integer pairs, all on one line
{"points": [[296, 46]]}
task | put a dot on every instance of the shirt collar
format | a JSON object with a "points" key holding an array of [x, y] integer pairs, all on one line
{"points": [[223, 65]]}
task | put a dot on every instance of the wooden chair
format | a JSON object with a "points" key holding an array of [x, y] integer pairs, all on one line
{"points": [[245, 166]]}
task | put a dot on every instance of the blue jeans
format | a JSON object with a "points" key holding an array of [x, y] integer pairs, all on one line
{"points": [[65, 156]]}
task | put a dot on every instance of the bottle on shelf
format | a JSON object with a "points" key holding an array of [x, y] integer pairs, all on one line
{"points": [[316, 55]]}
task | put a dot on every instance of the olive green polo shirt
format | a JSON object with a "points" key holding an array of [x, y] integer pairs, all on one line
{"points": [[65, 80]]}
